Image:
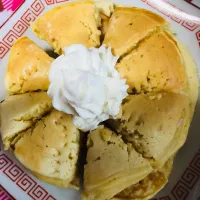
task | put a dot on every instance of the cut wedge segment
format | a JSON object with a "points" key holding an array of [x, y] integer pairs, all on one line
{"points": [[149, 186], [156, 65], [128, 26], [20, 112], [28, 67], [71, 23], [111, 165], [157, 124], [50, 149]]}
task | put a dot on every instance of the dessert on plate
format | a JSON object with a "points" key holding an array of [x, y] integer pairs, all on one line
{"points": [[50, 150], [157, 140], [157, 65], [31, 73], [127, 174], [128, 26], [20, 112], [124, 166], [80, 22], [121, 79], [44, 140], [149, 186]]}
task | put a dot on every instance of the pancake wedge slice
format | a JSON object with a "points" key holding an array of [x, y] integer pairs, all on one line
{"points": [[156, 124], [71, 23], [128, 26], [50, 149], [156, 65], [149, 186], [20, 112], [111, 165], [28, 68]]}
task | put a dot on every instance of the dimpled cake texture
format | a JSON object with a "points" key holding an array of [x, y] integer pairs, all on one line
{"points": [[155, 65], [118, 165], [149, 186], [19, 112], [50, 149], [31, 71], [154, 139], [80, 21], [157, 72], [128, 26]]}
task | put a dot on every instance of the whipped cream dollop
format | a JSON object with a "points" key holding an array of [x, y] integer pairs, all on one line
{"points": [[85, 83]]}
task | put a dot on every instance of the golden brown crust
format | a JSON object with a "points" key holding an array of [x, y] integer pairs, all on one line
{"points": [[28, 67], [51, 149], [65, 25], [156, 65], [156, 124], [149, 186], [128, 26], [20, 112], [118, 165]]}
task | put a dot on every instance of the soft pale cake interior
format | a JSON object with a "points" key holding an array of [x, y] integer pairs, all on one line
{"points": [[149, 186], [155, 65], [20, 112], [128, 26], [156, 124], [51, 148], [118, 165], [28, 68], [71, 23]]}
